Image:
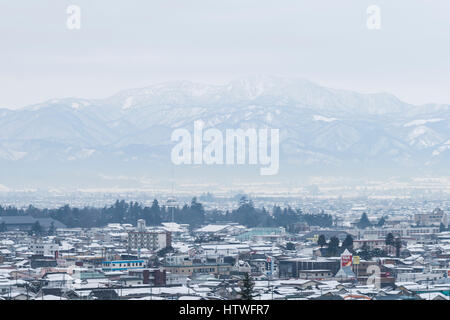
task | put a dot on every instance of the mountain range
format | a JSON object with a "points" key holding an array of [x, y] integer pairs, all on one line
{"points": [[75, 141]]}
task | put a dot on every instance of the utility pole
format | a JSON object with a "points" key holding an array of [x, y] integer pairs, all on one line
{"points": [[271, 273], [150, 283]]}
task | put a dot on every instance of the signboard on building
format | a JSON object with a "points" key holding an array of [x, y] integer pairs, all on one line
{"points": [[356, 260], [346, 259], [346, 266]]}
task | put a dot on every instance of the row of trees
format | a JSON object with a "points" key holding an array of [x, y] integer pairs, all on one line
{"points": [[123, 212], [288, 217], [119, 212], [193, 214], [333, 247], [390, 241], [394, 242], [364, 222]]}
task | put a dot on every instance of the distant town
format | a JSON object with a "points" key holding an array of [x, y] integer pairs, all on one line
{"points": [[242, 248]]}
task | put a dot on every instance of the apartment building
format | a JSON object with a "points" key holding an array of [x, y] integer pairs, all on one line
{"points": [[435, 218], [412, 232], [202, 268], [39, 247], [149, 239]]}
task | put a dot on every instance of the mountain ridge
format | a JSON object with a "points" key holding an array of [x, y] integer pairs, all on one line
{"points": [[319, 126]]}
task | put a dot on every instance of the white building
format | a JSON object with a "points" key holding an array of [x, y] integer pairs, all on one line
{"points": [[411, 232], [434, 218], [142, 238], [44, 248]]}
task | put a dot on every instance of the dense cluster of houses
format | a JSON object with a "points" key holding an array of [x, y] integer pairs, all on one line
{"points": [[172, 261]]}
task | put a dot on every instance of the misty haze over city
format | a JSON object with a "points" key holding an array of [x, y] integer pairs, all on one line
{"points": [[203, 152]]}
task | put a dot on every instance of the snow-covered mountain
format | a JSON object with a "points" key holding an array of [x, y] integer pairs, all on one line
{"points": [[320, 128]]}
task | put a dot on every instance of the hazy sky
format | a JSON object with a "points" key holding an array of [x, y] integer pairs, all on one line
{"points": [[134, 43]]}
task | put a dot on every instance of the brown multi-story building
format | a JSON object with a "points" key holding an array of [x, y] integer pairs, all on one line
{"points": [[204, 268]]}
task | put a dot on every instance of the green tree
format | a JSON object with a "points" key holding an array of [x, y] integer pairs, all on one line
{"points": [[153, 216], [398, 246], [246, 214], [51, 229], [290, 246], [321, 219], [247, 287], [333, 246], [348, 242], [442, 227], [365, 253], [363, 221], [197, 212], [321, 241], [389, 239], [381, 222], [164, 251], [377, 252], [36, 228]]}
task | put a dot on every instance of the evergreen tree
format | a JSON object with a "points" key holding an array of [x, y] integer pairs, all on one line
{"points": [[442, 227], [3, 227], [333, 246], [197, 213], [154, 214], [51, 229], [363, 221], [286, 218], [365, 253], [247, 215], [322, 219], [134, 212], [398, 246], [377, 252], [381, 222], [321, 241], [348, 242], [290, 246], [389, 239], [247, 287], [36, 229]]}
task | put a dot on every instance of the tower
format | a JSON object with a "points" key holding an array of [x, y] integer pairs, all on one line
{"points": [[346, 272], [141, 225], [171, 204]]}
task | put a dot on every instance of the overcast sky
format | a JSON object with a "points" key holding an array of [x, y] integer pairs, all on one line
{"points": [[135, 43]]}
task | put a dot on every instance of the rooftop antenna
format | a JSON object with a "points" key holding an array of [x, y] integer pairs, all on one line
{"points": [[171, 203]]}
